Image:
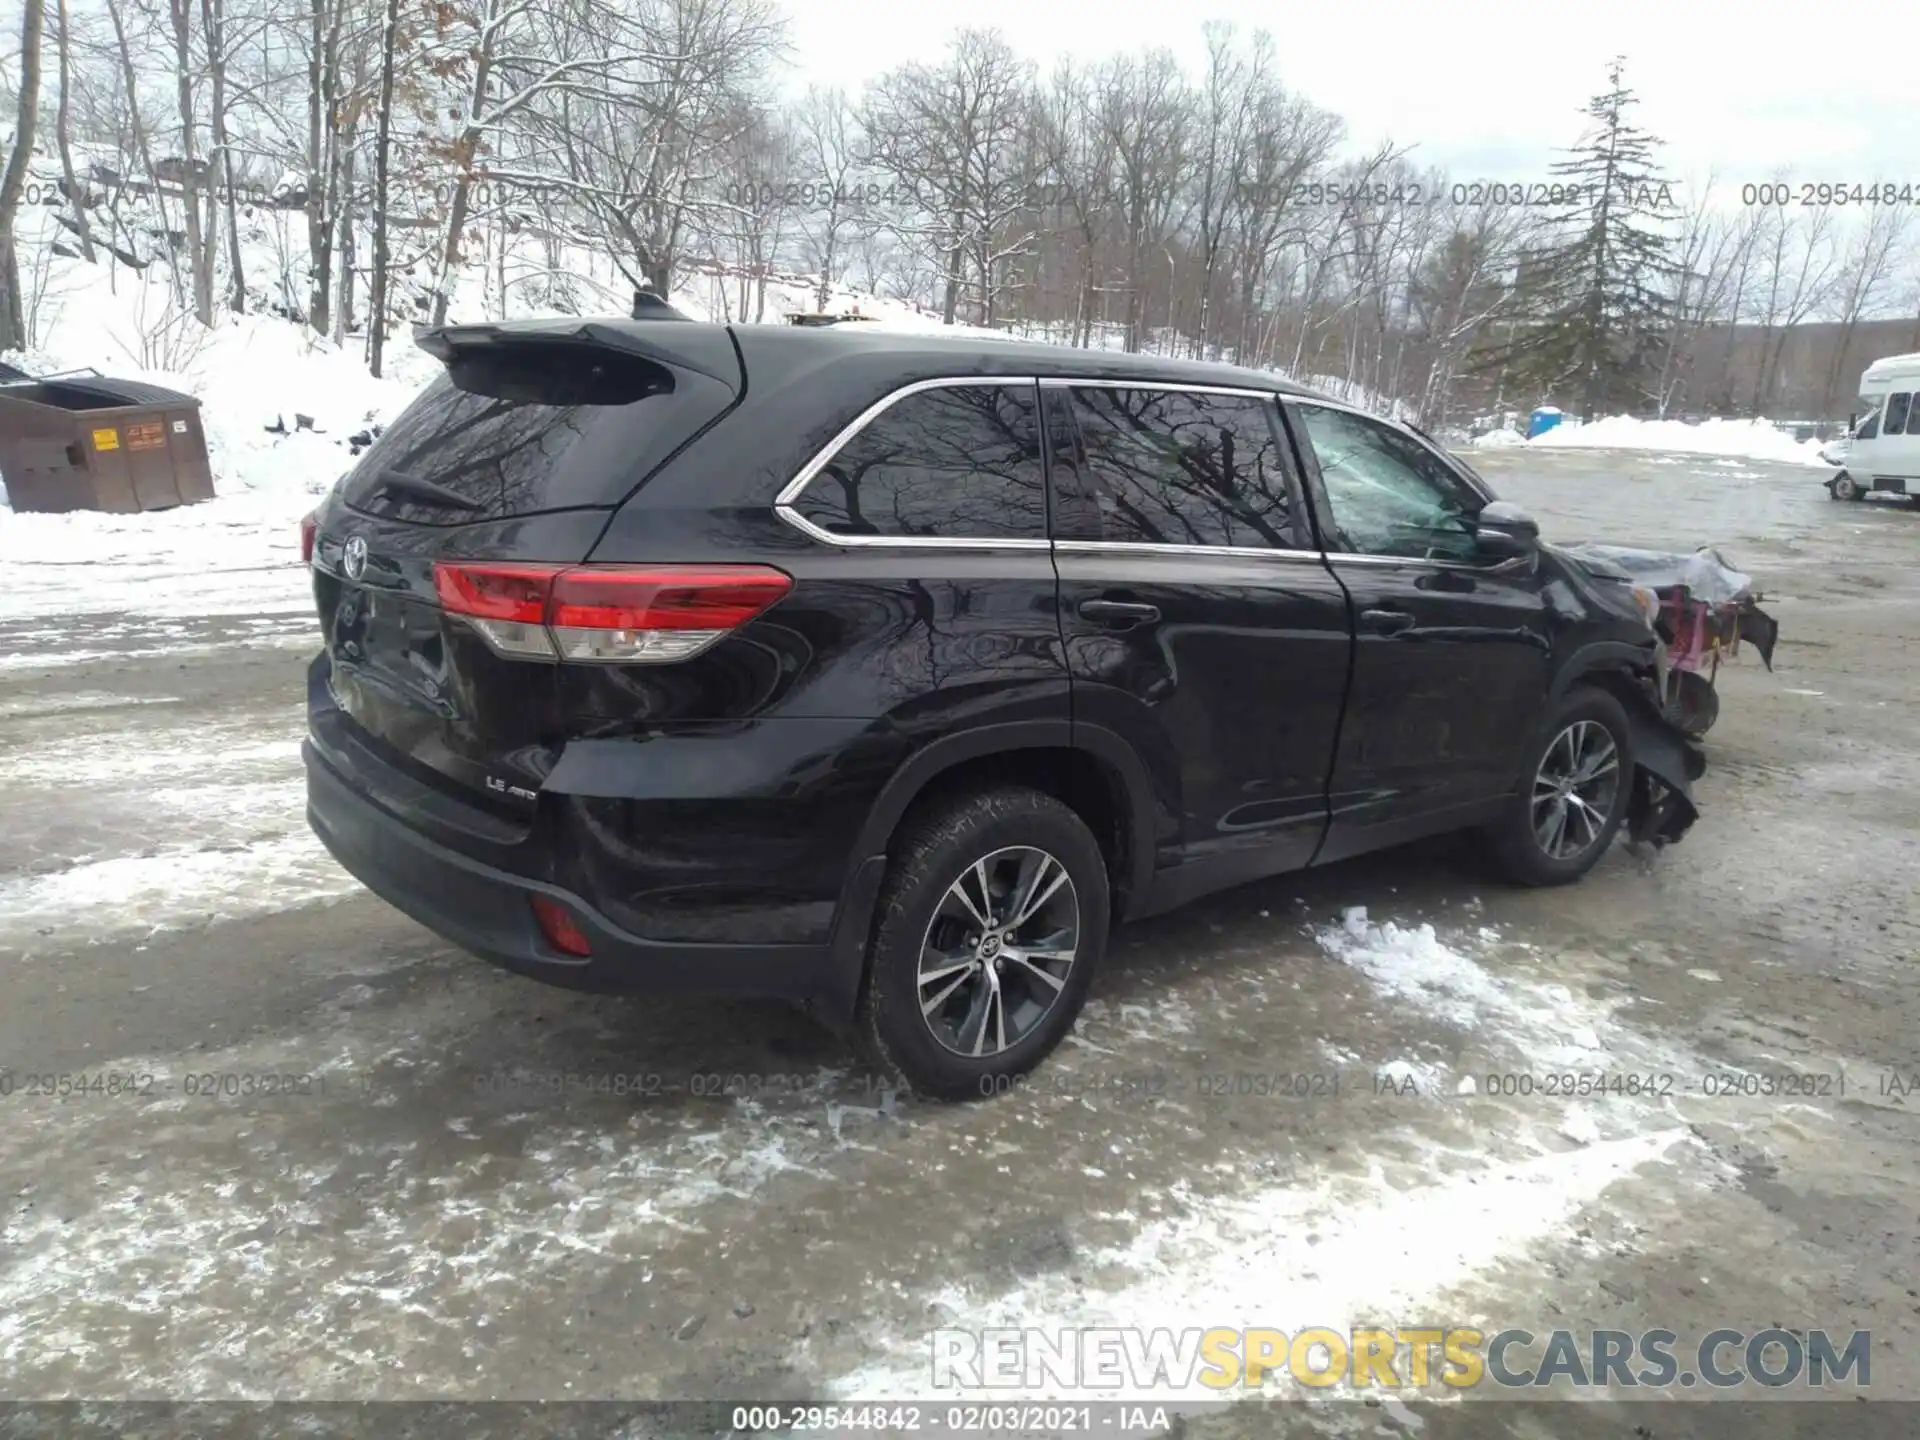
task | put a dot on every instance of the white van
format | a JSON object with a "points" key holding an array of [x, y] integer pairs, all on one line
{"points": [[1882, 450]]}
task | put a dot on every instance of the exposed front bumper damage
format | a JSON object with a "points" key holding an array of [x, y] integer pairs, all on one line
{"points": [[1702, 611], [1666, 763]]}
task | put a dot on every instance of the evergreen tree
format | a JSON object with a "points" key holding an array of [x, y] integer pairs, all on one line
{"points": [[1594, 299]]}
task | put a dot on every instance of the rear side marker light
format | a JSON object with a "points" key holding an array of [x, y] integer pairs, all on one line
{"points": [[563, 932], [607, 614], [309, 528]]}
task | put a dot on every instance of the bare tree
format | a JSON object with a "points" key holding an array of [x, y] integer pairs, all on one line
{"points": [[13, 181], [952, 136], [382, 158], [220, 160], [190, 171], [63, 138], [142, 148], [1798, 261], [1142, 110], [830, 143], [1866, 275]]}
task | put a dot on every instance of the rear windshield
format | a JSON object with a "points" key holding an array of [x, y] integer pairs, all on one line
{"points": [[516, 429]]}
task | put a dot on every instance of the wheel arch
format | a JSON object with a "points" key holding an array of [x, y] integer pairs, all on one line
{"points": [[1089, 768], [1609, 664]]}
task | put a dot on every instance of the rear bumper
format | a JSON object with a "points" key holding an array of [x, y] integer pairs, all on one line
{"points": [[486, 910]]}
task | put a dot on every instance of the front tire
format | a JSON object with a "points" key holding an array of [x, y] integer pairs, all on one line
{"points": [[1578, 781], [1844, 487], [993, 920]]}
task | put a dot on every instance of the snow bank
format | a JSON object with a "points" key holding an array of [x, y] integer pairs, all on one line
{"points": [[248, 371], [237, 553], [1742, 439], [1498, 440]]}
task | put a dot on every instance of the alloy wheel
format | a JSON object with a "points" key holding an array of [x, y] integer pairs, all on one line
{"points": [[998, 950], [1574, 790]]}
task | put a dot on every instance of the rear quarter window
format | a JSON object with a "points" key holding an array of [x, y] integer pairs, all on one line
{"points": [[953, 462]]}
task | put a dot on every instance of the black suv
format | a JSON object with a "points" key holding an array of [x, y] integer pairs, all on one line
{"points": [[884, 671]]}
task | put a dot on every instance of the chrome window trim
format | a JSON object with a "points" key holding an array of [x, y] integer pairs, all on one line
{"points": [[1148, 547], [791, 491], [1348, 558], [906, 542], [1067, 382]]}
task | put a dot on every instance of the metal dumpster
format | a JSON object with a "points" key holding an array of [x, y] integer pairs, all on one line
{"points": [[84, 441]]}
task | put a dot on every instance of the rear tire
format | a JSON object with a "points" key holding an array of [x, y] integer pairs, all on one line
{"points": [[954, 1008], [1577, 782]]}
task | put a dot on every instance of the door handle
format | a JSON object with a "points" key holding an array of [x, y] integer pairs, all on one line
{"points": [[1386, 622], [1119, 614]]}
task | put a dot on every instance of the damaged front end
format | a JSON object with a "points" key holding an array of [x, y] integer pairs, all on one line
{"points": [[1701, 610], [1696, 609], [1666, 763]]}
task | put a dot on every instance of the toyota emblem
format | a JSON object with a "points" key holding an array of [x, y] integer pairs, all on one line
{"points": [[353, 557]]}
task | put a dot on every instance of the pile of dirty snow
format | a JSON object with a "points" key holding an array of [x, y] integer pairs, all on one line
{"points": [[1740, 439]]}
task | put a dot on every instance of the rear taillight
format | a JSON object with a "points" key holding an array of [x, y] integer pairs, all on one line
{"points": [[611, 614], [309, 527], [507, 604]]}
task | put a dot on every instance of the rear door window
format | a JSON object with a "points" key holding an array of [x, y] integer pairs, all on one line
{"points": [[1172, 467], [954, 462], [516, 429]]}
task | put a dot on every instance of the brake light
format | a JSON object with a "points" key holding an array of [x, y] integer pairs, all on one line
{"points": [[309, 528], [620, 614]]}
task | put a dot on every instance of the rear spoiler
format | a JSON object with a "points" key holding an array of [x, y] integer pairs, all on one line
{"points": [[446, 342]]}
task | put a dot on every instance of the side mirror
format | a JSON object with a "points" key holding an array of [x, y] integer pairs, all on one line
{"points": [[1503, 530]]}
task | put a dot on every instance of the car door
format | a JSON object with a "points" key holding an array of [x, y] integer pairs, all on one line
{"points": [[1200, 622], [1898, 451], [1451, 647]]}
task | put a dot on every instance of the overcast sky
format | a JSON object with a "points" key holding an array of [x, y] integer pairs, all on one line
{"points": [[1489, 88]]}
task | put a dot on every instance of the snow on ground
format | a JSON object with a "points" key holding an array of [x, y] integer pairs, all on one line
{"points": [[1742, 439], [1457, 1197], [1325, 1251], [154, 816]]}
